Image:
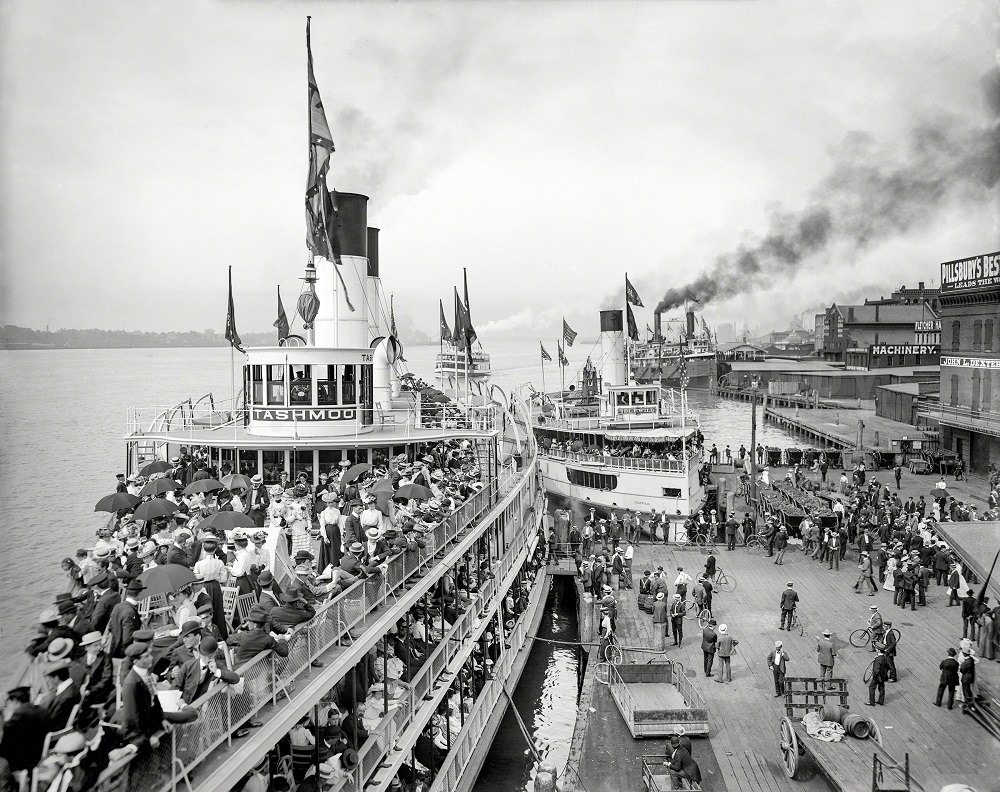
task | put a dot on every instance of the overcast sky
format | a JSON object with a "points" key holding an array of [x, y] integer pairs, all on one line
{"points": [[548, 147]]}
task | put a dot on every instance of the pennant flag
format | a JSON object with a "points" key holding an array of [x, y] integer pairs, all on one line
{"points": [[392, 320], [562, 357], [569, 334], [282, 322], [462, 325], [470, 331], [231, 335], [545, 355], [649, 331], [445, 330], [322, 213], [631, 295], [633, 330]]}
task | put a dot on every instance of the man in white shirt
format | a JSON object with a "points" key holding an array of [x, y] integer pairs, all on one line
{"points": [[627, 571], [681, 582]]}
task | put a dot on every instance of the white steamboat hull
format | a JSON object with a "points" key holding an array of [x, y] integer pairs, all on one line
{"points": [[638, 490]]}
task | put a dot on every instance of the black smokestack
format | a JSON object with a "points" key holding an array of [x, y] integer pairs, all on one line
{"points": [[657, 326], [871, 194], [689, 322]]}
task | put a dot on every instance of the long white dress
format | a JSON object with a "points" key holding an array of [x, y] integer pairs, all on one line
{"points": [[890, 567]]}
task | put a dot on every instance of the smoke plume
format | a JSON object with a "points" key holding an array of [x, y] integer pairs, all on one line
{"points": [[872, 193]]}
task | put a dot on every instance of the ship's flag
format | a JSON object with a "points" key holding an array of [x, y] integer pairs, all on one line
{"points": [[470, 331], [231, 335], [322, 214], [282, 321], [631, 295], [704, 326], [649, 331], [562, 357], [545, 355], [445, 330], [462, 325], [682, 372], [569, 334], [633, 330], [392, 320]]}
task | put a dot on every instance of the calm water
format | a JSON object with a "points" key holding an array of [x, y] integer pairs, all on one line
{"points": [[61, 428], [546, 699]]}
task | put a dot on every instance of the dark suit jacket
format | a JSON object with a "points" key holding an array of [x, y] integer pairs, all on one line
{"points": [[285, 616], [24, 736], [141, 712], [59, 708], [178, 555], [192, 683], [682, 763], [949, 671], [781, 660], [123, 623], [709, 640], [103, 608], [99, 679]]}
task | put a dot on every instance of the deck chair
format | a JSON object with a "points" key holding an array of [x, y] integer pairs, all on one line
{"points": [[244, 602], [303, 757], [284, 770], [229, 597]]}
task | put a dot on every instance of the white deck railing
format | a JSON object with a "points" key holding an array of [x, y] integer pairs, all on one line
{"points": [[621, 463]]}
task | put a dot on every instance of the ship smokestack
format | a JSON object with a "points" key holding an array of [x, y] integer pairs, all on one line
{"points": [[612, 348], [372, 252], [689, 316], [337, 325], [372, 283], [657, 327]]}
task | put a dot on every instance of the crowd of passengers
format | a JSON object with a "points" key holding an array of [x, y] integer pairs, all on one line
{"points": [[115, 667]]}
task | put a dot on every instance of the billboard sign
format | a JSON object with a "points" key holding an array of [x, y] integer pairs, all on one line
{"points": [[976, 272]]}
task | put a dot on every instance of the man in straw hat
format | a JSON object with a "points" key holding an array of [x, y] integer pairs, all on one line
{"points": [[826, 654], [257, 500], [725, 649]]}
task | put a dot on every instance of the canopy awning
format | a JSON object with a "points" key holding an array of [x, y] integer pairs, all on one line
{"points": [[659, 435]]}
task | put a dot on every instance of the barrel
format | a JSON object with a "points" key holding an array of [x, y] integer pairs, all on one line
{"points": [[857, 726], [833, 712]]}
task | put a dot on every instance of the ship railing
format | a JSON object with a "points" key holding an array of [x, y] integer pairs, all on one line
{"points": [[465, 744], [984, 421], [267, 678], [188, 414], [619, 462], [621, 423], [477, 617]]}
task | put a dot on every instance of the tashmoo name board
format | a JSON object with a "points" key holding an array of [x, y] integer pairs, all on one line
{"points": [[904, 349], [976, 272], [303, 414], [970, 362]]}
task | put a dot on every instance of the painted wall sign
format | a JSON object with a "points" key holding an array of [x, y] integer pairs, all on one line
{"points": [[970, 362], [904, 349], [304, 414], [975, 272]]}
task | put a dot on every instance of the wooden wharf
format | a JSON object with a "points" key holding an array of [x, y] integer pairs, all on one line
{"points": [[742, 750], [838, 427]]}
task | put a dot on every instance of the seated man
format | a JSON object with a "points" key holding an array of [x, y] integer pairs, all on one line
{"points": [[682, 767]]}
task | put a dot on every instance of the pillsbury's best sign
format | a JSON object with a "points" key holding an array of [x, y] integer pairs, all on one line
{"points": [[976, 272]]}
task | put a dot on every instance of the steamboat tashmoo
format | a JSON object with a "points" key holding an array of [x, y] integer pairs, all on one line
{"points": [[232, 648]]}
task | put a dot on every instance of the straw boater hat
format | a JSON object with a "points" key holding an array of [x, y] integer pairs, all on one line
{"points": [[257, 479], [344, 463], [372, 533], [91, 638], [723, 629]]}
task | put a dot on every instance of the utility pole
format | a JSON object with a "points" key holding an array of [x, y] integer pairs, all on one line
{"points": [[754, 385]]}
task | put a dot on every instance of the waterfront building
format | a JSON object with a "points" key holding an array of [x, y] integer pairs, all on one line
{"points": [[970, 360]]}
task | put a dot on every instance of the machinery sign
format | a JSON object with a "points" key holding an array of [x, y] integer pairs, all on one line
{"points": [[976, 272]]}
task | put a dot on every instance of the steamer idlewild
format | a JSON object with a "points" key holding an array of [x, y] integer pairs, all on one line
{"points": [[611, 445]]}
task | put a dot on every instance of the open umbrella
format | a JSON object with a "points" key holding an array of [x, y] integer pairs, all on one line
{"points": [[354, 472], [382, 485], [236, 481], [937, 492], [159, 466], [116, 502], [203, 485], [165, 579], [414, 491], [158, 507], [158, 487], [226, 521]]}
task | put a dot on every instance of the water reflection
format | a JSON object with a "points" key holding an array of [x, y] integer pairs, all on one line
{"points": [[546, 698]]}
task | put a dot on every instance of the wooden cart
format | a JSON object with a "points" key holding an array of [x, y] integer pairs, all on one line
{"points": [[654, 698], [850, 765], [656, 776]]}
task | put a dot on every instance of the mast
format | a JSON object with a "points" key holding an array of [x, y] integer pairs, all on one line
{"points": [[628, 364]]}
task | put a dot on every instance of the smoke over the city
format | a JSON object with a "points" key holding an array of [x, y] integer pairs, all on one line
{"points": [[874, 192]]}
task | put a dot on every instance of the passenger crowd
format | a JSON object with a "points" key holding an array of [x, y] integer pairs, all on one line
{"points": [[129, 651]]}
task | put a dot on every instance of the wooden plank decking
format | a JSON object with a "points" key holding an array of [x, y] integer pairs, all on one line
{"points": [[944, 746]]}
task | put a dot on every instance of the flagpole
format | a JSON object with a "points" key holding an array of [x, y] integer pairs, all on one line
{"points": [[628, 373], [540, 355]]}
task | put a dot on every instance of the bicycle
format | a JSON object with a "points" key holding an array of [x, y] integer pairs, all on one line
{"points": [[613, 651], [861, 638], [756, 544], [701, 540], [723, 582], [704, 617], [795, 623], [692, 610]]}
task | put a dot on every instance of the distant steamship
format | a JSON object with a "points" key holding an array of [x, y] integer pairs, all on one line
{"points": [[658, 360]]}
